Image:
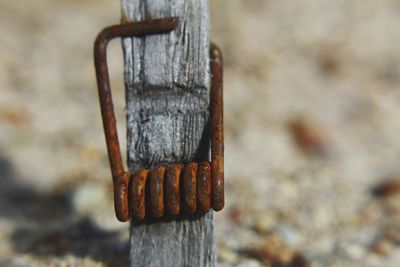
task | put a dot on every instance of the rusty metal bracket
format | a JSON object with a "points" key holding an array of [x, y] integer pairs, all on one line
{"points": [[203, 183]]}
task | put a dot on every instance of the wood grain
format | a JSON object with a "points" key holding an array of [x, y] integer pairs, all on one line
{"points": [[167, 81]]}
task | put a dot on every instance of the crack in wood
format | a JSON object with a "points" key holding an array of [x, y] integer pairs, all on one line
{"points": [[167, 80]]}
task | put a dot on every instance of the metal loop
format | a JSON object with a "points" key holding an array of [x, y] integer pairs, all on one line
{"points": [[203, 183]]}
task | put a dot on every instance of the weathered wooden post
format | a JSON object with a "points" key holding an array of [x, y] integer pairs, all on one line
{"points": [[167, 76], [167, 81]]}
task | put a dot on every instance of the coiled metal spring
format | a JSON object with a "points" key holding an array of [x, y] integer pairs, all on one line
{"points": [[165, 190], [172, 191]]}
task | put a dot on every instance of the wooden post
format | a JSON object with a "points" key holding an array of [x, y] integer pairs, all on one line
{"points": [[167, 81]]}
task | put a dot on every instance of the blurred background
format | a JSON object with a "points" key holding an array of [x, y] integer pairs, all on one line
{"points": [[312, 117]]}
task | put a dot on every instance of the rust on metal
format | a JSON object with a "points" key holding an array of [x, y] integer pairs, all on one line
{"points": [[217, 130], [137, 194], [157, 192], [172, 197], [107, 109], [189, 187], [121, 202], [204, 186], [169, 190]]}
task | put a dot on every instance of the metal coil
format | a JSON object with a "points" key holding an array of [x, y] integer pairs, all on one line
{"points": [[172, 190]]}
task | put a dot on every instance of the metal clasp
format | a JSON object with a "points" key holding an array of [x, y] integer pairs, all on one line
{"points": [[121, 177]]}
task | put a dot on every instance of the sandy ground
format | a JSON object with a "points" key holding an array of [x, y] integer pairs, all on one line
{"points": [[312, 108]]}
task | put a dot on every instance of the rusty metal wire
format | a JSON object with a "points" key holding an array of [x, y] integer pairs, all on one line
{"points": [[165, 190]]}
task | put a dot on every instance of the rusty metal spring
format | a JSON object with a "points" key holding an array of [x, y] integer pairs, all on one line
{"points": [[172, 191], [162, 191]]}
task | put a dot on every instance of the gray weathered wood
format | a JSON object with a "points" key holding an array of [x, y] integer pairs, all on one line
{"points": [[167, 92]]}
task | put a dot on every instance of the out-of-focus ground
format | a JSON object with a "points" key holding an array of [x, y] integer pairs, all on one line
{"points": [[312, 113]]}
